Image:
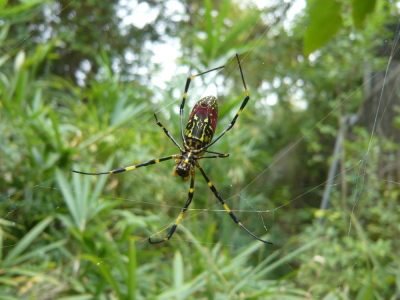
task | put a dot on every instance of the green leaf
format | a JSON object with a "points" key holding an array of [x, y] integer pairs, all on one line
{"points": [[220, 21], [132, 269], [39, 251], [105, 271], [178, 270], [240, 27], [365, 241], [267, 267], [362, 8], [27, 240], [78, 297], [325, 21], [3, 3], [69, 198], [365, 293], [20, 13], [209, 28]]}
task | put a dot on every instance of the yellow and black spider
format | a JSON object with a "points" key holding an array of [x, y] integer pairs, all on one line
{"points": [[196, 140]]}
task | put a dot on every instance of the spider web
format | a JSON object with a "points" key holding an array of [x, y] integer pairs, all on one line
{"points": [[265, 218]]}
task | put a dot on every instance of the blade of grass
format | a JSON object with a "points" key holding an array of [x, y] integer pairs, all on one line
{"points": [[220, 21], [66, 190], [365, 241], [78, 297], [256, 275], [105, 271], [132, 269], [209, 30], [39, 251], [241, 26], [27, 240], [178, 271]]}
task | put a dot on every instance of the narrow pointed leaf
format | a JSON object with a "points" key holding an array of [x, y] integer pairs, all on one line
{"points": [[27, 240], [325, 21], [361, 9]]}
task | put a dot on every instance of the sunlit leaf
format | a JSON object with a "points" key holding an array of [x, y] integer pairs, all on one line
{"points": [[362, 8], [325, 21]]}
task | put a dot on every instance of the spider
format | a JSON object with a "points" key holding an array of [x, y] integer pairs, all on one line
{"points": [[197, 138]]}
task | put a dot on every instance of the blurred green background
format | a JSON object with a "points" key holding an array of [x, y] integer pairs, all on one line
{"points": [[79, 84]]}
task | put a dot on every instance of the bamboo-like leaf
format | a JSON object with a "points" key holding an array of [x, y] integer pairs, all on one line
{"points": [[366, 242], [241, 259], [112, 248], [31, 273], [19, 61], [366, 292], [256, 275], [38, 251], [7, 223], [3, 3], [77, 297], [66, 190], [233, 37], [325, 21], [132, 269], [1, 244], [27, 240], [221, 17], [20, 13], [178, 271], [7, 281], [99, 187], [105, 270], [56, 132], [209, 29], [361, 9]]}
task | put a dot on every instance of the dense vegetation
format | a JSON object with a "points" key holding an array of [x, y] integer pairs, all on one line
{"points": [[78, 90]]}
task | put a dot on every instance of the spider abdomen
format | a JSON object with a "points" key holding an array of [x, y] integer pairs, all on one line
{"points": [[202, 123]]}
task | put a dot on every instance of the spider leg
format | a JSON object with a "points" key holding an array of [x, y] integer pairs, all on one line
{"points": [[150, 162], [177, 221], [227, 154], [189, 79], [222, 155], [244, 103], [167, 133], [228, 210]]}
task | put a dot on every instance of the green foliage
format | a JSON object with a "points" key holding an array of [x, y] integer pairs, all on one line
{"points": [[69, 236], [217, 41], [325, 21], [361, 9], [20, 13], [82, 205], [357, 232], [14, 264], [326, 18]]}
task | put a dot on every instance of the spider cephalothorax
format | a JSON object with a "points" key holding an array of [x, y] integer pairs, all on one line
{"points": [[197, 138], [185, 165]]}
